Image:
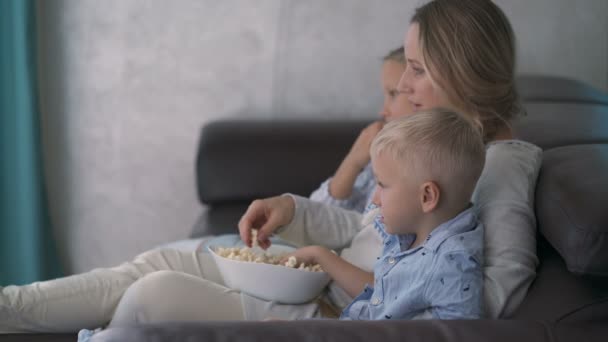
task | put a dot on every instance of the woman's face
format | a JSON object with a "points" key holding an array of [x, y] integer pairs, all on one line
{"points": [[415, 82]]}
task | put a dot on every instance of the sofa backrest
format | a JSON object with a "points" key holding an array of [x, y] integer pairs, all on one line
{"points": [[555, 124], [240, 160], [542, 88]]}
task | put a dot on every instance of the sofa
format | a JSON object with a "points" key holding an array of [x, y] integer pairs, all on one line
{"points": [[241, 160]]}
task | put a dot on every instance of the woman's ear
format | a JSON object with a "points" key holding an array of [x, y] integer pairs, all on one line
{"points": [[429, 196]]}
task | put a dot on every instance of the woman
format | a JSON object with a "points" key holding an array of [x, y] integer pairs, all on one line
{"points": [[472, 73]]}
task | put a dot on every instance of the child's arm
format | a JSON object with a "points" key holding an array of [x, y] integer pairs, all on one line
{"points": [[341, 185], [348, 276]]}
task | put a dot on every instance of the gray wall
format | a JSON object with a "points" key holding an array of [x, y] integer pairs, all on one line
{"points": [[127, 84]]}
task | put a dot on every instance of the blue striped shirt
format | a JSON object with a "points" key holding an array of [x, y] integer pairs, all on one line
{"points": [[363, 190], [442, 277]]}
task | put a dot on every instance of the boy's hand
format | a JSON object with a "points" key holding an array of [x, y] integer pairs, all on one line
{"points": [[348, 276], [308, 255], [266, 215]]}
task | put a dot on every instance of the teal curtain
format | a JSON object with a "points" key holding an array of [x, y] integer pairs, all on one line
{"points": [[26, 245]]}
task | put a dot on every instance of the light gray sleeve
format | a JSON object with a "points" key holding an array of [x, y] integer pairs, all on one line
{"points": [[504, 199], [317, 223]]}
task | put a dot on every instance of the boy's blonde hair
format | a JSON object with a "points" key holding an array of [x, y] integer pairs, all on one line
{"points": [[468, 46], [437, 145]]}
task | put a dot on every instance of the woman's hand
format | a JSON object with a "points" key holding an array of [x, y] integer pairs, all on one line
{"points": [[266, 215]]}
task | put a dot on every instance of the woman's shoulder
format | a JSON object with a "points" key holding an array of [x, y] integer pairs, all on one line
{"points": [[509, 174], [509, 161], [514, 146]]}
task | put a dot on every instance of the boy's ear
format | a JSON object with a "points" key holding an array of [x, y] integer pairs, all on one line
{"points": [[429, 196]]}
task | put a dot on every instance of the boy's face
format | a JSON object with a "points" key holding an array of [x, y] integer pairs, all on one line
{"points": [[398, 196]]}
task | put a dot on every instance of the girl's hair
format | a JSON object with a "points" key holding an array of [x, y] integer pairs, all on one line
{"points": [[468, 47], [438, 145], [396, 55]]}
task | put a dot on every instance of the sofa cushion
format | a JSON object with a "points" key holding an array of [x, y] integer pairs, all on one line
{"points": [[571, 206], [581, 298]]}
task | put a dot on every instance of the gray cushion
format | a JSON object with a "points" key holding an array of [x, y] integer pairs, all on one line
{"points": [[573, 215]]}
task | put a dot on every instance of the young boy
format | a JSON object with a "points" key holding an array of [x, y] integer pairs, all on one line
{"points": [[426, 166]]}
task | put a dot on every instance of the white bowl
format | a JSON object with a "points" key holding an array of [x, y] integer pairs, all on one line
{"points": [[271, 282]]}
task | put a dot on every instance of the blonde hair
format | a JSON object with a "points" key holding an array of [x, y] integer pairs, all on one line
{"points": [[395, 55], [468, 47], [438, 145]]}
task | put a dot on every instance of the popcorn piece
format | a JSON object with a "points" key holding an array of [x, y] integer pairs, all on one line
{"points": [[254, 238], [316, 268], [291, 262]]}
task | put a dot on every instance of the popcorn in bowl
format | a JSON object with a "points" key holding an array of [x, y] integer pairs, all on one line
{"points": [[248, 255], [263, 275]]}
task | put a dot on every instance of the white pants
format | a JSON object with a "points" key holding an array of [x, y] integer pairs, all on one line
{"points": [[158, 285]]}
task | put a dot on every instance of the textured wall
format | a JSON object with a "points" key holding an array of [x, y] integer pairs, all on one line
{"points": [[126, 85]]}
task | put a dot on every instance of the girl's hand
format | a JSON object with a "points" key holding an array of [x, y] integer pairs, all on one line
{"points": [[359, 155]]}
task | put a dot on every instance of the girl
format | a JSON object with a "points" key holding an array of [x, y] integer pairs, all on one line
{"points": [[353, 183]]}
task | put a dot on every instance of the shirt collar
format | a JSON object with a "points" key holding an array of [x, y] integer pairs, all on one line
{"points": [[465, 221], [462, 223]]}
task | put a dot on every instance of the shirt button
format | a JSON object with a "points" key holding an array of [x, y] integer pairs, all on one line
{"points": [[391, 260], [376, 301]]}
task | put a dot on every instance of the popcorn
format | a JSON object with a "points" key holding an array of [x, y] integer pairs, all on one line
{"points": [[291, 261], [248, 255], [254, 238]]}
